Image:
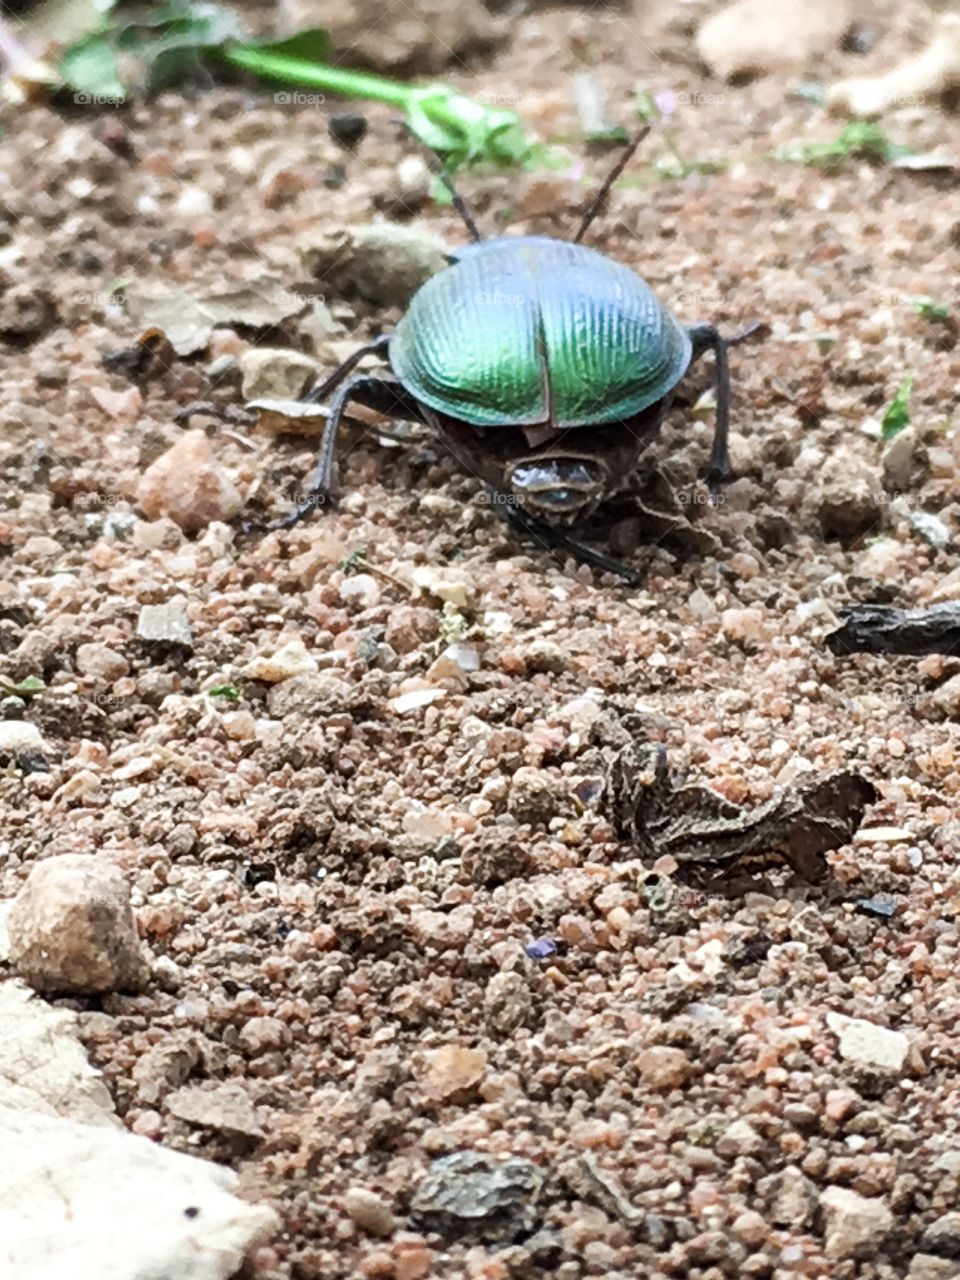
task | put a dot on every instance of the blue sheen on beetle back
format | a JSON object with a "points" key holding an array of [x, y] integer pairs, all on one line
{"points": [[519, 327]]}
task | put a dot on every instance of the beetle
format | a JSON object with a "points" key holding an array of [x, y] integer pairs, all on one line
{"points": [[544, 366]]}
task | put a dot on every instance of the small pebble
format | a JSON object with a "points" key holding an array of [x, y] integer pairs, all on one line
{"points": [[369, 1211], [189, 485], [72, 930]]}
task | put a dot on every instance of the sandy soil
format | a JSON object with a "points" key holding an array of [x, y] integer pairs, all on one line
{"points": [[337, 890]]}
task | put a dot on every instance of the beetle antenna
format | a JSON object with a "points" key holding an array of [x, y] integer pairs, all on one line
{"points": [[458, 202], [597, 203], [439, 169]]}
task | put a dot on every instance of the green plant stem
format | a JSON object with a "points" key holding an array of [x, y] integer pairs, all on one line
{"points": [[351, 84]]}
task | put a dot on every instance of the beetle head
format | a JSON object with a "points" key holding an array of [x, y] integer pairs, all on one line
{"points": [[559, 489]]}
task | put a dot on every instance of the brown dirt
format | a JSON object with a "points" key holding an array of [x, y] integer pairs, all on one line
{"points": [[367, 879]]}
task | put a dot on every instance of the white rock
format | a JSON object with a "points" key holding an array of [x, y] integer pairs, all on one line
{"points": [[93, 1203], [581, 714], [362, 588], [449, 585], [882, 835], [856, 1226], [225, 1106], [165, 624], [415, 699], [883, 559], [18, 737], [464, 656], [44, 1062], [272, 373], [868, 1045], [194, 202], [739, 1139], [426, 824], [72, 929], [923, 75], [931, 528], [750, 37], [369, 1211], [701, 605], [290, 660]]}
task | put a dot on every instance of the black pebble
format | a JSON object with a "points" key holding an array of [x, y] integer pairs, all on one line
{"points": [[347, 130]]}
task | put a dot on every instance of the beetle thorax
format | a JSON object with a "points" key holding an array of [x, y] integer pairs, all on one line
{"points": [[560, 488]]}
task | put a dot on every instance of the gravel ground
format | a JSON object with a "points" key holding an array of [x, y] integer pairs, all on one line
{"points": [[338, 890]]}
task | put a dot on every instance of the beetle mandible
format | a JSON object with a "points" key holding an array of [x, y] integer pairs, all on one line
{"points": [[544, 366]]}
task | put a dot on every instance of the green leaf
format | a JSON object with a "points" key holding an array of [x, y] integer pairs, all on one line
{"points": [[540, 155], [353, 560], [936, 312], [673, 166], [176, 38], [228, 691], [897, 416], [645, 107], [90, 69], [313, 44], [861, 139], [25, 688], [614, 133], [169, 41]]}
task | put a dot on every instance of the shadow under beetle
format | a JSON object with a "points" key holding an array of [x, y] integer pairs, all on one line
{"points": [[544, 366]]}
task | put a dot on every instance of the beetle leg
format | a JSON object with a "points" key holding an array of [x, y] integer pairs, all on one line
{"points": [[323, 389], [551, 537], [705, 337], [751, 331], [226, 414], [375, 393]]}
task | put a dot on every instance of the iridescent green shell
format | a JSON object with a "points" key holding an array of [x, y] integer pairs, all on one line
{"points": [[530, 330]]}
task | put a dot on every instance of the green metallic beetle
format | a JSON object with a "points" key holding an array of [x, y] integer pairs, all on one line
{"points": [[545, 367]]}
